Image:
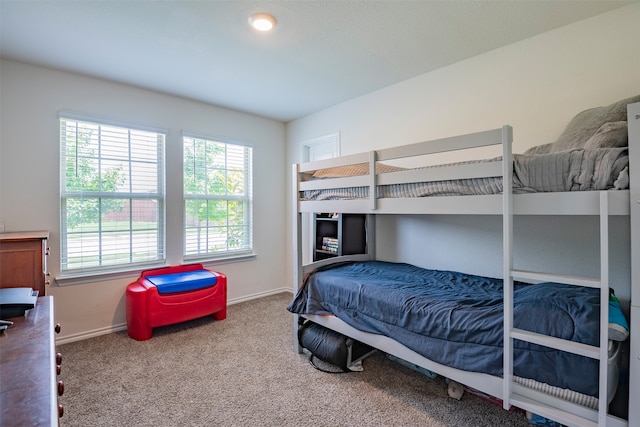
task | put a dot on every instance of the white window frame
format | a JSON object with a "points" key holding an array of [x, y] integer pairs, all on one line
{"points": [[200, 246], [127, 259]]}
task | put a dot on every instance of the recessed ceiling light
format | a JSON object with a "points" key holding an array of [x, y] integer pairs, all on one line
{"points": [[262, 21]]}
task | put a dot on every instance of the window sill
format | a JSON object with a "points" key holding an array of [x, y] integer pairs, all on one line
{"points": [[102, 276], [210, 261], [134, 272]]}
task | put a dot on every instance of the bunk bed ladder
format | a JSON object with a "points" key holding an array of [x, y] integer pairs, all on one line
{"points": [[521, 397]]}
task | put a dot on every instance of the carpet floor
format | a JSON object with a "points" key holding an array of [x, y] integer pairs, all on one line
{"points": [[243, 371]]}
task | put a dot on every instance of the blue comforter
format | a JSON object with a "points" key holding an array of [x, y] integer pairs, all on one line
{"points": [[456, 319]]}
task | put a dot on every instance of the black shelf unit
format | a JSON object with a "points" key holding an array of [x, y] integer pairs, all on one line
{"points": [[348, 230]]}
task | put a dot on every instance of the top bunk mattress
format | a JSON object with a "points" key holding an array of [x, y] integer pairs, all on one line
{"points": [[574, 170]]}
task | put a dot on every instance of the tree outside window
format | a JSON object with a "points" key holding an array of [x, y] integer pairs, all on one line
{"points": [[217, 191], [112, 196]]}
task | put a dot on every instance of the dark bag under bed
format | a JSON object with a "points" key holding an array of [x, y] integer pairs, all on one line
{"points": [[331, 347]]}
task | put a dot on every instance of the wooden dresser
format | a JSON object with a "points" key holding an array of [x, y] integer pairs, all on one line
{"points": [[29, 369], [23, 260]]}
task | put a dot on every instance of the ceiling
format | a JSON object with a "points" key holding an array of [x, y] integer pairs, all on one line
{"points": [[321, 52]]}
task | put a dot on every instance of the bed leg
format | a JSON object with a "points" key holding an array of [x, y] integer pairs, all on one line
{"points": [[296, 344]]}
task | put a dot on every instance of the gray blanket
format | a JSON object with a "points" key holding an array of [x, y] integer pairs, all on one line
{"points": [[574, 170]]}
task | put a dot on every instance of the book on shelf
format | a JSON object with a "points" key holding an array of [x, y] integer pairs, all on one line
{"points": [[330, 244]]}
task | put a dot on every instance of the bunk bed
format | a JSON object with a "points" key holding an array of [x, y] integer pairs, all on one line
{"points": [[585, 172]]}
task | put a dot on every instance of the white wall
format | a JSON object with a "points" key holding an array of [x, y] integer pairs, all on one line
{"points": [[29, 179], [536, 86]]}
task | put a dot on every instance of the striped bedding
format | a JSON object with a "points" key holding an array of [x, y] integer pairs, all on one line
{"points": [[572, 170]]}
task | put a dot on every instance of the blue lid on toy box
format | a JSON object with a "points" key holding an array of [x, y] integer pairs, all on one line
{"points": [[183, 282]]}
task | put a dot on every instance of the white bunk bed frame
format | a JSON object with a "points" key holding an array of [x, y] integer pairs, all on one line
{"points": [[596, 203]]}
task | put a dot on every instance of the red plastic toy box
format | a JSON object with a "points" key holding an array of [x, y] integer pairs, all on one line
{"points": [[169, 295]]}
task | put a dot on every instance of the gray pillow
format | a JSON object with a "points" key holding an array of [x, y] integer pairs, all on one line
{"points": [[584, 125], [610, 135]]}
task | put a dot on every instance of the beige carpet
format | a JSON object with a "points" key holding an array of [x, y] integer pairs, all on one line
{"points": [[243, 371]]}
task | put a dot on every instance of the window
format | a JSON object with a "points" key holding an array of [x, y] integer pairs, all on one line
{"points": [[218, 198], [111, 196]]}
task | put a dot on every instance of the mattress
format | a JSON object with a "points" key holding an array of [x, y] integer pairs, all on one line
{"points": [[456, 319], [571, 170], [613, 369]]}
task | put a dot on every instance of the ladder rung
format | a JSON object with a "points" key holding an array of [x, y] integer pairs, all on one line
{"points": [[557, 343], [557, 278], [558, 415]]}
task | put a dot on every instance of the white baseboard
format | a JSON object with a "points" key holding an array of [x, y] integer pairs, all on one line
{"points": [[91, 334], [123, 326], [258, 295]]}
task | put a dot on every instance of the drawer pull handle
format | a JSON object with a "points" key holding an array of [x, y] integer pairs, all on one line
{"points": [[58, 358], [58, 328], [60, 411], [60, 388]]}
